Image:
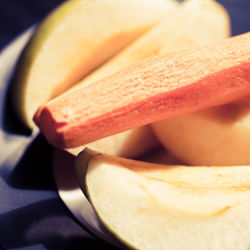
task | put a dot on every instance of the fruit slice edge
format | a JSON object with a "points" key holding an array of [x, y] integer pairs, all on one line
{"points": [[149, 206]]}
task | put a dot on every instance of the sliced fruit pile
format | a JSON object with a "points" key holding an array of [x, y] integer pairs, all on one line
{"points": [[150, 90], [75, 39], [146, 73]]}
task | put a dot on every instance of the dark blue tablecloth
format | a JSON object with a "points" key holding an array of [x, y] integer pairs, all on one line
{"points": [[18, 15]]}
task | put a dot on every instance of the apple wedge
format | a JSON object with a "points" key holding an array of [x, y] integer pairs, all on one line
{"points": [[132, 143], [75, 39], [215, 136], [207, 22], [153, 206], [193, 23], [151, 90]]}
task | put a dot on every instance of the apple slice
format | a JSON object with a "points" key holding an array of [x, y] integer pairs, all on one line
{"points": [[151, 206], [207, 22], [216, 136], [75, 39], [193, 23], [151, 90], [132, 143]]}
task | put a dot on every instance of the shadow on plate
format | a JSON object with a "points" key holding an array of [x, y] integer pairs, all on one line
{"points": [[34, 169], [11, 122], [48, 224]]}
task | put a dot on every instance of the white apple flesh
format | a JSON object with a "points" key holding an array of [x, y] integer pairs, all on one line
{"points": [[216, 136], [152, 206]]}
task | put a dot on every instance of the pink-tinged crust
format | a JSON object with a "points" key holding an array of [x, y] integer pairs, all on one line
{"points": [[151, 90]]}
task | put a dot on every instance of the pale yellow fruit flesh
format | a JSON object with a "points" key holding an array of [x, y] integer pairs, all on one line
{"points": [[216, 136], [131, 143], [193, 23], [151, 206], [75, 39], [203, 138], [189, 25]]}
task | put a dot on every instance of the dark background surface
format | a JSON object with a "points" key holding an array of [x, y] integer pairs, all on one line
{"points": [[56, 228], [18, 15]]}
